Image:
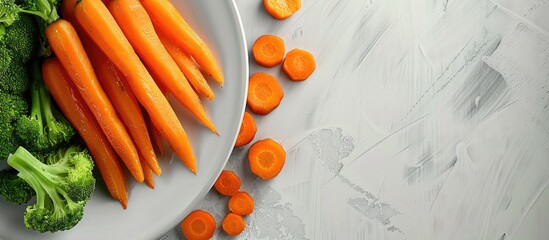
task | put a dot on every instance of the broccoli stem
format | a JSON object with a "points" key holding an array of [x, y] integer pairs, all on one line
{"points": [[45, 98]]}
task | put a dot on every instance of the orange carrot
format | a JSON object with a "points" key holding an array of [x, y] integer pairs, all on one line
{"points": [[156, 137], [189, 67], [66, 45], [268, 50], [167, 19], [241, 204], [266, 158], [126, 105], [137, 26], [227, 183], [198, 225], [299, 64], [264, 93], [94, 17], [247, 130], [281, 9], [147, 172], [79, 115], [233, 224]]}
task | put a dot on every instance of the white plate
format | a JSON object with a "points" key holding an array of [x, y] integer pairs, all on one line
{"points": [[151, 213]]}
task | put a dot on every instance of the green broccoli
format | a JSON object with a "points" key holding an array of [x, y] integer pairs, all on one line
{"points": [[13, 188], [63, 185], [21, 37], [45, 128], [12, 107], [15, 79]]}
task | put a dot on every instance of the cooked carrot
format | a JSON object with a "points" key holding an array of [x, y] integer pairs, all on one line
{"points": [[66, 45], [189, 67], [299, 64], [166, 19], [147, 172], [241, 204], [264, 93], [281, 9], [233, 224], [138, 28], [227, 183], [156, 137], [199, 224], [79, 115], [247, 130], [116, 87], [94, 17], [268, 50], [266, 158]]}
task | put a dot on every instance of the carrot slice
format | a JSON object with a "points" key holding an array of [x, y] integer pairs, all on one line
{"points": [[281, 9], [198, 225], [299, 64], [268, 50], [247, 130], [266, 158], [138, 28], [233, 224], [167, 19], [94, 17], [264, 93], [241, 204], [79, 115], [189, 67], [66, 45], [227, 183]]}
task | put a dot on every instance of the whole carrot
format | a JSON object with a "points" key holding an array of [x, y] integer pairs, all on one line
{"points": [[189, 67], [167, 19], [95, 19], [137, 26], [121, 96], [79, 115], [66, 45]]}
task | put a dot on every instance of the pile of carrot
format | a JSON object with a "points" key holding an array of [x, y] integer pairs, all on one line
{"points": [[114, 63], [266, 157]]}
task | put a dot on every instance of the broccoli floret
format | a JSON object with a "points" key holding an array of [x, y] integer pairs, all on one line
{"points": [[15, 79], [12, 107], [8, 140], [21, 38], [63, 185], [13, 188], [45, 128]]}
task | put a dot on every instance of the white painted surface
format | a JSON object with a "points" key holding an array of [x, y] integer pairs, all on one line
{"points": [[425, 119]]}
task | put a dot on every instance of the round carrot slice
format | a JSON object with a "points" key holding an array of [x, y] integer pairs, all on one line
{"points": [[264, 93], [247, 130], [233, 224], [227, 183], [299, 64], [198, 225], [281, 9], [268, 50], [241, 204], [266, 158]]}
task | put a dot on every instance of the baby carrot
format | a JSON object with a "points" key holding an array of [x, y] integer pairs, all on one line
{"points": [[281, 9], [227, 183], [247, 130], [94, 17], [167, 19], [266, 158], [66, 45], [147, 172], [233, 224], [79, 115], [264, 93], [268, 50], [198, 225], [138, 28], [241, 204], [299, 64], [189, 67]]}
